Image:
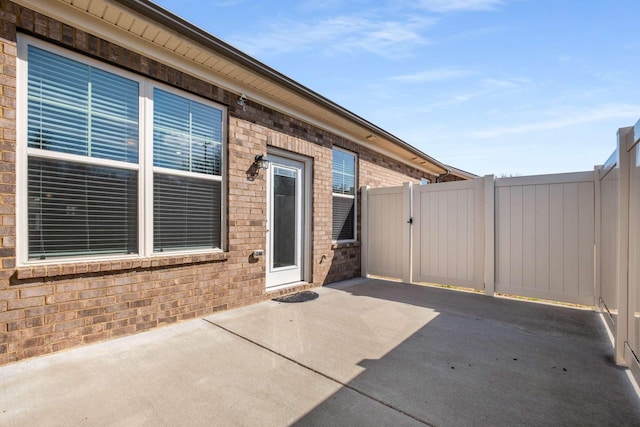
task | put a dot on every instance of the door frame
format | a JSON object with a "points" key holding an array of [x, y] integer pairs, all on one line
{"points": [[306, 217]]}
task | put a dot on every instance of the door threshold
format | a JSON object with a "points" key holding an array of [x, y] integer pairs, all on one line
{"points": [[285, 286]]}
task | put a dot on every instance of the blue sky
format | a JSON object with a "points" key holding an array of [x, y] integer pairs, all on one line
{"points": [[489, 86]]}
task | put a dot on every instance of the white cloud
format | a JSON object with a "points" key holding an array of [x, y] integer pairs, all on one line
{"points": [[513, 83], [433, 75], [488, 88], [443, 6], [390, 38], [565, 119]]}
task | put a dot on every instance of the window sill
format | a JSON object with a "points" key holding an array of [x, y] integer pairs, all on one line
{"points": [[75, 268], [344, 245]]}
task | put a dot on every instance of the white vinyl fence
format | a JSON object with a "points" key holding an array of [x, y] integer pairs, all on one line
{"points": [[545, 235], [618, 248], [528, 236]]}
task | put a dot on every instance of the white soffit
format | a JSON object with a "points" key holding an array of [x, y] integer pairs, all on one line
{"points": [[112, 21]]}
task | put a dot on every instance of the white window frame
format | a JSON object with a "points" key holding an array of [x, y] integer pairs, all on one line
{"points": [[347, 196], [144, 166]]}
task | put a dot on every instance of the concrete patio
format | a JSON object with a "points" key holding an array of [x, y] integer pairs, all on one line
{"points": [[366, 352]]}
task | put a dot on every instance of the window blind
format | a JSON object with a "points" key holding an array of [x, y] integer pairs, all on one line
{"points": [[343, 218], [187, 135], [89, 203], [344, 172], [344, 195], [77, 209], [78, 109], [186, 213]]}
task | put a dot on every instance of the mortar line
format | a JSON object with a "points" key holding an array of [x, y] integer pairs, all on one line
{"points": [[322, 374]]}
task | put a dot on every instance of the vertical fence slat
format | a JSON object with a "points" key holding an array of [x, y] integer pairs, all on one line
{"points": [[407, 214], [632, 354], [543, 238], [622, 326], [570, 238], [586, 235], [462, 248], [489, 235], [515, 232], [529, 236], [364, 231], [503, 238], [556, 234]]}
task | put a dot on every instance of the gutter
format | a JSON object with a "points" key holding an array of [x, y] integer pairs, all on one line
{"points": [[461, 173], [442, 175], [207, 40]]}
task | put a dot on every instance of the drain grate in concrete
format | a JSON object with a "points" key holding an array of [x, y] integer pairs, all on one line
{"points": [[298, 297]]}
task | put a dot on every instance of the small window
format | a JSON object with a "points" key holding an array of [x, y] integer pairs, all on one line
{"points": [[344, 195]]}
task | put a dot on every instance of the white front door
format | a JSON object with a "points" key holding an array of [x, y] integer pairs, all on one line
{"points": [[285, 221]]}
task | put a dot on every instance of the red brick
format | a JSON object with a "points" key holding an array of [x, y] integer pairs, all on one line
{"points": [[63, 297], [7, 295], [123, 331], [15, 304], [66, 344], [30, 322], [60, 317], [70, 287], [91, 312], [33, 342], [100, 336], [36, 291], [69, 324], [40, 311], [94, 293], [101, 319], [146, 325], [6, 316]]}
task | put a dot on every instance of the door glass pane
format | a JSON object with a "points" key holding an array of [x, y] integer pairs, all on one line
{"points": [[284, 217]]}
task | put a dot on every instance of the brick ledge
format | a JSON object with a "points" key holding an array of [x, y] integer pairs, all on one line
{"points": [[70, 269], [344, 245]]}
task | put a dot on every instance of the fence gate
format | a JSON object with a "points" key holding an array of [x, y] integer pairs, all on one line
{"points": [[527, 236], [448, 233], [386, 232]]}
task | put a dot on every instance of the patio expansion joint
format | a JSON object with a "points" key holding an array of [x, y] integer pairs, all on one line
{"points": [[322, 374]]}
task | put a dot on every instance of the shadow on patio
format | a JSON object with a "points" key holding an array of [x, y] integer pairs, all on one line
{"points": [[487, 361]]}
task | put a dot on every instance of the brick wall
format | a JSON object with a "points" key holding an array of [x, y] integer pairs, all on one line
{"points": [[49, 308]]}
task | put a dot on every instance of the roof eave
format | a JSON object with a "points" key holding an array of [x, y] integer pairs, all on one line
{"points": [[207, 40]]}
